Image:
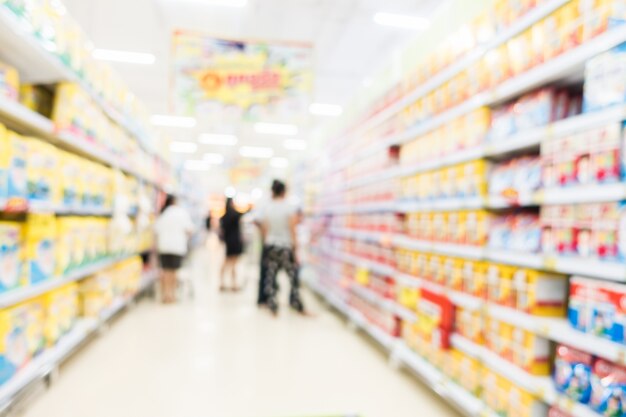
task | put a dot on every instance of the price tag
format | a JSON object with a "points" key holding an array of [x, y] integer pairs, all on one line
{"points": [[621, 356], [543, 330], [549, 263], [549, 132]]}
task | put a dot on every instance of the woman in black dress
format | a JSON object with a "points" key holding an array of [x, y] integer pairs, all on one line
{"points": [[230, 225]]}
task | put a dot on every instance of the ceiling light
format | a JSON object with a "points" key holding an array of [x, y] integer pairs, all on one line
{"points": [[279, 162], [213, 158], [183, 147], [256, 152], [402, 21], [141, 58], [295, 144], [218, 139], [325, 109], [173, 121], [276, 129], [230, 192], [197, 165]]}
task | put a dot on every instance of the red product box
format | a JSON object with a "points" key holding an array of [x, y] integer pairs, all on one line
{"points": [[440, 306]]}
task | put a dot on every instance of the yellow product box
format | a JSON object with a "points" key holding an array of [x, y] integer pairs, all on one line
{"points": [[439, 226], [40, 238], [599, 15], [496, 392], [540, 293], [95, 294], [409, 297], [470, 374], [456, 227], [562, 29], [67, 104], [475, 279], [71, 192], [500, 283], [497, 65], [453, 273], [531, 352], [15, 163], [520, 53], [434, 269], [470, 325], [403, 260], [44, 185], [518, 8], [15, 346], [419, 264], [498, 337], [522, 403], [13, 271], [477, 227], [452, 366], [9, 82]]}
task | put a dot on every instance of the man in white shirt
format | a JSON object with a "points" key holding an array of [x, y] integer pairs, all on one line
{"points": [[278, 227]]}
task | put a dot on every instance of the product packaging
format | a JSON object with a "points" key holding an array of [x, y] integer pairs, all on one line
{"points": [[608, 385], [572, 374], [605, 80], [13, 273], [40, 237]]}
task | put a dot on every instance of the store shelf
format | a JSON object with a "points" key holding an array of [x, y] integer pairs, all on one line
{"points": [[52, 357], [363, 208], [38, 65], [444, 76], [555, 329], [542, 387], [13, 297], [364, 236], [25, 120], [450, 249], [367, 264]]}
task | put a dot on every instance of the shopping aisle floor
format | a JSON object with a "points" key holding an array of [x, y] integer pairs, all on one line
{"points": [[219, 356]]}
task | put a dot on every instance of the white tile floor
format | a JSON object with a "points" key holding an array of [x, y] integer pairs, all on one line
{"points": [[218, 356]]}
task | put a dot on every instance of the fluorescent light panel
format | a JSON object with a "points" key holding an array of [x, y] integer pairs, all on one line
{"points": [[218, 139], [173, 121], [279, 162], [325, 109], [183, 147], [197, 165], [213, 158], [140, 58], [295, 144], [276, 129], [256, 152], [402, 21]]}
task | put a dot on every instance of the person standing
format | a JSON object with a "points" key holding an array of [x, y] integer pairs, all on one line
{"points": [[278, 228], [173, 228], [230, 225]]}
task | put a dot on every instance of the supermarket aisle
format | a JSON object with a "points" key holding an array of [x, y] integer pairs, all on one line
{"points": [[220, 356]]}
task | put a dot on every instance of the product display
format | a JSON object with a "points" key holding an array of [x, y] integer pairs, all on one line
{"points": [[506, 216]]}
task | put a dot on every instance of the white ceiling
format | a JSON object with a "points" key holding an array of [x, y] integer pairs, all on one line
{"points": [[349, 47]]}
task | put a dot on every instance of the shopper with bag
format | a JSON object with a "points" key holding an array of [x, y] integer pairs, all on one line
{"points": [[278, 227], [173, 228]]}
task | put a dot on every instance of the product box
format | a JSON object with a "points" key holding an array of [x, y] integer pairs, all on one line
{"points": [[531, 352], [499, 338], [596, 307], [469, 324], [40, 238], [16, 161], [572, 374], [522, 403], [495, 392], [600, 15], [608, 388], [14, 345], [43, 183], [605, 80], [37, 99], [539, 293], [12, 268]]}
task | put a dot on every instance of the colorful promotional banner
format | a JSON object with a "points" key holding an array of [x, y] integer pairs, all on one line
{"points": [[238, 79]]}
